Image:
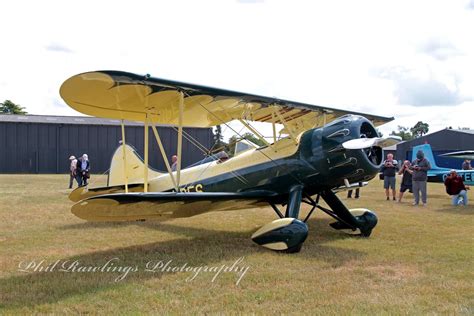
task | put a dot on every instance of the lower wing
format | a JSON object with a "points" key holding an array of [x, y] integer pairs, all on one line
{"points": [[165, 205]]}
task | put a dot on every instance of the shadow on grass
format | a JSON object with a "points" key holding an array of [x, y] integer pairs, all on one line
{"points": [[199, 248], [455, 210]]}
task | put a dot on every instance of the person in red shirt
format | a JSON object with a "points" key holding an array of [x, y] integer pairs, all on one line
{"points": [[456, 188]]}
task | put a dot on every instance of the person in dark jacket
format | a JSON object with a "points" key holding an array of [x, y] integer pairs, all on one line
{"points": [[420, 167], [406, 183], [82, 170], [389, 170], [456, 188]]}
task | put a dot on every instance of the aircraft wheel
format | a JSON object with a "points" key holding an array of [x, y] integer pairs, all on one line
{"points": [[283, 235]]}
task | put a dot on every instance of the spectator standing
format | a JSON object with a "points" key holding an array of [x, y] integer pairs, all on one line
{"points": [[72, 170], [174, 162], [349, 194], [357, 192], [406, 183], [389, 170], [420, 167], [82, 170]]}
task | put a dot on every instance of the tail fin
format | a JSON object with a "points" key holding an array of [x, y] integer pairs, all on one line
{"points": [[135, 167], [426, 149]]}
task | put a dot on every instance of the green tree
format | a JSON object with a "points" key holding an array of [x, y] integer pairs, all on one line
{"points": [[251, 137], [8, 107], [419, 129], [403, 132], [218, 138], [248, 136], [231, 147]]}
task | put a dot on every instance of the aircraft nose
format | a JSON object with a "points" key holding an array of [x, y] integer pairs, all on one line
{"points": [[360, 163]]}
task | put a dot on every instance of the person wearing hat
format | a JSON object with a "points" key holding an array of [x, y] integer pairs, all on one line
{"points": [[466, 165], [82, 170], [72, 170], [420, 167], [456, 188]]}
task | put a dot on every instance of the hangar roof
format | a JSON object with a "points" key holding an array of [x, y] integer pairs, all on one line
{"points": [[469, 131], [56, 119]]}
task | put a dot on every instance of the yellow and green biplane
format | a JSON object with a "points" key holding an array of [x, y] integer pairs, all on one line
{"points": [[314, 152]]}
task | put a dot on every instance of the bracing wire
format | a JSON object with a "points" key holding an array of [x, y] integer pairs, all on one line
{"points": [[226, 124]]}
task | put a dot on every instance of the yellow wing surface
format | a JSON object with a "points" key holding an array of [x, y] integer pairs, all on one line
{"points": [[165, 205], [122, 95]]}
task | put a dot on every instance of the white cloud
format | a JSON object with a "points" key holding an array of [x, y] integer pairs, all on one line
{"points": [[439, 49], [413, 87], [55, 47], [470, 5]]}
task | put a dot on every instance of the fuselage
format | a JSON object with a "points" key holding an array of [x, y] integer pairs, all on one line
{"points": [[315, 159], [439, 175]]}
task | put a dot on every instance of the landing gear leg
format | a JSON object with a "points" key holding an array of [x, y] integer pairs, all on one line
{"points": [[360, 219], [294, 202]]}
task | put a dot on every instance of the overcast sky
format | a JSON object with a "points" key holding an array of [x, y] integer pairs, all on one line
{"points": [[413, 60]]}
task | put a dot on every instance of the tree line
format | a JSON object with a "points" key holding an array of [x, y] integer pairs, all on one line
{"points": [[407, 133], [8, 107]]}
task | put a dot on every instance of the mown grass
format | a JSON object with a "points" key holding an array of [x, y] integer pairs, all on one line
{"points": [[418, 260]]}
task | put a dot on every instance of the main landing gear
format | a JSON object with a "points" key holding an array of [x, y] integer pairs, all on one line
{"points": [[288, 233]]}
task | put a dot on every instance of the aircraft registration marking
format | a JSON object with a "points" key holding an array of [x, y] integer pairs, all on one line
{"points": [[192, 188]]}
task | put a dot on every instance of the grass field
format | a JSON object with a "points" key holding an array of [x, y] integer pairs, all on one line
{"points": [[418, 260]]}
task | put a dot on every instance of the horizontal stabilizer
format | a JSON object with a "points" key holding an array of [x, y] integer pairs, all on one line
{"points": [[85, 192]]}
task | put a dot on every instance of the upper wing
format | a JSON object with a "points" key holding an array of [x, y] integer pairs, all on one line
{"points": [[164, 205], [466, 154], [122, 95]]}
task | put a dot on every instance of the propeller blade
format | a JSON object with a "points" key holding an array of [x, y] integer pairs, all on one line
{"points": [[361, 143]]}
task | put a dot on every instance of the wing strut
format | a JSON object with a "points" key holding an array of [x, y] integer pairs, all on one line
{"points": [[163, 154], [287, 127], [124, 155], [274, 128], [180, 139], [253, 130], [145, 176]]}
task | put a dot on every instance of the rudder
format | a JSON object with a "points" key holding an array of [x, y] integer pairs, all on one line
{"points": [[135, 167], [426, 149]]}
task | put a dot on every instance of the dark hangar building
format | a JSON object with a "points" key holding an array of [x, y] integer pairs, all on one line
{"points": [[443, 141], [43, 144]]}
